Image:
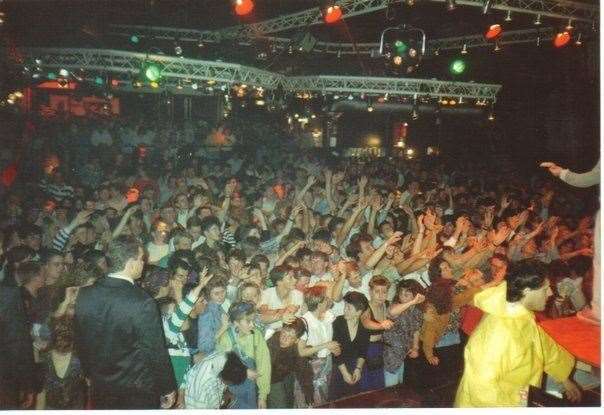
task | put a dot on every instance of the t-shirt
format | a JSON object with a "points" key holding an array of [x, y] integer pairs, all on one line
{"points": [[270, 298], [157, 252], [319, 331]]}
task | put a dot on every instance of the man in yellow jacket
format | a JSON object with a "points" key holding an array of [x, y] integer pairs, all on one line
{"points": [[508, 351]]}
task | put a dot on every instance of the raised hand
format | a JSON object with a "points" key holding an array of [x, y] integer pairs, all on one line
{"points": [[553, 168], [418, 299], [362, 182], [396, 236]]}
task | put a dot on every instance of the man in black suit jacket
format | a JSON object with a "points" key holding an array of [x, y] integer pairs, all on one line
{"points": [[17, 368], [119, 337]]}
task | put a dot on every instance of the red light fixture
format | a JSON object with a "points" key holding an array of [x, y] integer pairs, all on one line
{"points": [[243, 7], [493, 32], [332, 14], [561, 39]]}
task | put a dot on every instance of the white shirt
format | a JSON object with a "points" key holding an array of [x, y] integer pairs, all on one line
{"points": [[202, 384], [270, 298], [319, 331], [420, 276], [157, 252], [121, 277]]}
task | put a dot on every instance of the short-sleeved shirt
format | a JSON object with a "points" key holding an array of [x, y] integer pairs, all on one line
{"points": [[202, 384], [319, 331], [270, 298]]}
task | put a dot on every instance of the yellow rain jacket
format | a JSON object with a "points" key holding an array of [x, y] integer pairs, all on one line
{"points": [[506, 353]]}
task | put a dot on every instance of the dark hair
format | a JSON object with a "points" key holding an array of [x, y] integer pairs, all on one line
{"points": [[258, 258], [440, 295], [333, 223], [322, 234], [524, 274], [434, 268], [410, 285], [379, 280], [320, 255], [298, 326], [302, 252], [62, 333], [121, 250], [208, 222], [179, 263], [357, 300], [278, 273], [193, 221], [240, 309], [27, 271], [234, 371], [215, 282], [236, 254], [47, 253]]}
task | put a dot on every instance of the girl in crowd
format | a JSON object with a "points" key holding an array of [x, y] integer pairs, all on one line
{"points": [[353, 339]]}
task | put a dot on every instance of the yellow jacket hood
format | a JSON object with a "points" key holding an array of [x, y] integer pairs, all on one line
{"points": [[493, 301]]}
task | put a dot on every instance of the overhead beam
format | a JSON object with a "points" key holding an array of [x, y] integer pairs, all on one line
{"points": [[177, 69]]}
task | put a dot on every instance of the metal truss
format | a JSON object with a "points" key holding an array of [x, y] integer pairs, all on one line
{"points": [[449, 43], [560, 9], [112, 61], [392, 86], [128, 64]]}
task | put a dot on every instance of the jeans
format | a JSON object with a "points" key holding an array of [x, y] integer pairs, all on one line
{"points": [[395, 378]]}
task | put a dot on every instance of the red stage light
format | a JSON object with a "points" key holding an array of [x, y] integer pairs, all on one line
{"points": [[561, 39], [333, 14], [115, 82], [243, 7], [493, 32]]}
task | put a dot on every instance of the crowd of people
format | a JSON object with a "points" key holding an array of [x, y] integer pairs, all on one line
{"points": [[138, 273]]}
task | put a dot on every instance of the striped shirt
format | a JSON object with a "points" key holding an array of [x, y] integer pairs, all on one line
{"points": [[175, 340], [202, 385]]}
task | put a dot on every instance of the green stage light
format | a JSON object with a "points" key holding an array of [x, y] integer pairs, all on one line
{"points": [[152, 72], [134, 39], [457, 67], [98, 80], [51, 75], [400, 47]]}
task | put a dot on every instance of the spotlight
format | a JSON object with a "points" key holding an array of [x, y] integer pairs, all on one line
{"points": [[350, 97], [63, 72], [152, 71], [99, 81], [154, 84], [134, 39], [578, 41], [410, 3], [177, 49], [569, 25], [331, 13], [493, 32], [397, 60], [451, 5], [486, 6], [243, 7], [369, 107], [492, 113], [537, 21], [457, 67], [497, 47], [194, 85], [464, 49], [561, 39], [508, 17]]}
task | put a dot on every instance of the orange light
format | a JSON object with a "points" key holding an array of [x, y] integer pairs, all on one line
{"points": [[561, 39], [333, 14], [243, 7], [115, 82], [493, 32]]}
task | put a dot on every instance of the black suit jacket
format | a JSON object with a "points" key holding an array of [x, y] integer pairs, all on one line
{"points": [[17, 369], [120, 340]]}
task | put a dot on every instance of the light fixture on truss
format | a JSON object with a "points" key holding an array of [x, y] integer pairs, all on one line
{"points": [[403, 48]]}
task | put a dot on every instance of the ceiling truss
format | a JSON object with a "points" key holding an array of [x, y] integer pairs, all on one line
{"points": [[128, 64]]}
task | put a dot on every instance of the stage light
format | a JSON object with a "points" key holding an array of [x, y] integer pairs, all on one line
{"points": [[51, 75], [260, 102], [410, 152], [561, 39], [493, 32], [498, 48], [194, 85], [154, 84], [412, 53], [569, 25], [177, 49], [486, 6], [508, 16], [99, 81], [464, 49], [115, 83], [578, 41], [397, 60], [350, 97], [457, 67], [152, 72], [19, 94], [332, 13], [134, 39], [451, 5], [410, 3], [491, 116], [63, 72], [243, 7], [537, 21], [400, 47]]}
